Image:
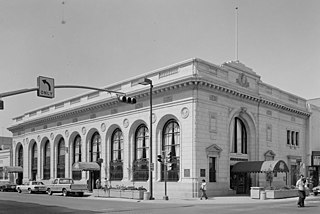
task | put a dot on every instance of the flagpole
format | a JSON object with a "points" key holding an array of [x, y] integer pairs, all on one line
{"points": [[237, 40]]}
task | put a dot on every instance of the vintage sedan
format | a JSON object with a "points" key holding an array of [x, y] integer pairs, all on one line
{"points": [[7, 186], [316, 190], [32, 187]]}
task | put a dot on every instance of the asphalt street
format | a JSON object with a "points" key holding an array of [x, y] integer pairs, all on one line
{"points": [[14, 203]]}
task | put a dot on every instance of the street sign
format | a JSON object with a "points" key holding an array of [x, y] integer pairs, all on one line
{"points": [[45, 87]]}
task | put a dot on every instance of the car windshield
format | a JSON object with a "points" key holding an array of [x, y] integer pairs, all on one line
{"points": [[37, 183]]}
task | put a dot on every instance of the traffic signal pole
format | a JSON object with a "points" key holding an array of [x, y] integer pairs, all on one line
{"points": [[165, 197], [22, 91]]}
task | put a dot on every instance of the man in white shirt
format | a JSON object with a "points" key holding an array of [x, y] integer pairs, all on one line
{"points": [[203, 189], [302, 191]]}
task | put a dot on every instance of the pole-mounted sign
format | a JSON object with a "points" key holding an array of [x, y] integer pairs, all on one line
{"points": [[45, 87]]}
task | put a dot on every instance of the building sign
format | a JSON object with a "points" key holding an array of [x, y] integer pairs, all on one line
{"points": [[316, 160]]}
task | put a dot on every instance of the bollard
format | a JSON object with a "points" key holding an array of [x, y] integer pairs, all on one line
{"points": [[262, 195]]}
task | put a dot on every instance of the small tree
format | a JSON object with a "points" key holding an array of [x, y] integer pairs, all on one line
{"points": [[269, 176]]}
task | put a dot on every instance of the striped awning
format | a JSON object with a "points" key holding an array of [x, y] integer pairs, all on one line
{"points": [[13, 169], [86, 166], [260, 166]]}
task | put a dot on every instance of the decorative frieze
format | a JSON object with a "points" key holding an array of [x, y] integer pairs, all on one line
{"points": [[84, 130], [242, 80], [184, 112], [168, 72], [103, 127], [114, 111], [167, 99], [125, 123], [74, 101], [93, 95], [213, 97], [66, 133], [139, 105]]}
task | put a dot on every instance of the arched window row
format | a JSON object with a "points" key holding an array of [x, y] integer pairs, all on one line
{"points": [[170, 143]]}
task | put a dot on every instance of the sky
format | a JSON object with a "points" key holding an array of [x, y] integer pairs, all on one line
{"points": [[100, 42]]}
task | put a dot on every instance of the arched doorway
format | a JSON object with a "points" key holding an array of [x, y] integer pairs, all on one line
{"points": [[94, 156], [34, 162], [61, 159], [243, 147], [20, 163]]}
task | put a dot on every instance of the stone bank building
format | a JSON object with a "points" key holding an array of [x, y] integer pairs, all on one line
{"points": [[210, 117]]}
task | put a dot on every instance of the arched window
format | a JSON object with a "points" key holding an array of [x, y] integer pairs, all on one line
{"points": [[116, 164], [20, 156], [34, 161], [95, 147], [141, 154], [46, 162], [171, 145], [61, 159], [239, 140], [76, 175]]}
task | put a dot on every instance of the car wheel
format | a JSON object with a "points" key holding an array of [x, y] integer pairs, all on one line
{"points": [[19, 190], [315, 193], [29, 191], [80, 194], [1, 190], [49, 192], [64, 192]]}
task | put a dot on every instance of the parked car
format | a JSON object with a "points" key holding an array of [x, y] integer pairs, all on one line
{"points": [[31, 187], [66, 186], [7, 186], [316, 190]]}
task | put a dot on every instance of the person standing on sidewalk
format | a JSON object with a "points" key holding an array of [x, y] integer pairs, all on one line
{"points": [[302, 191], [203, 190]]}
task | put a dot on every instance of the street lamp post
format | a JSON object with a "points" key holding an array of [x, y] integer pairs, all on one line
{"points": [[146, 81]]}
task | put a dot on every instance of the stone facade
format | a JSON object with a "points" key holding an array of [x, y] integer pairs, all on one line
{"points": [[212, 106]]}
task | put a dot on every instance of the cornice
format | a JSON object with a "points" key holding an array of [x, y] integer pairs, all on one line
{"points": [[250, 97], [189, 82]]}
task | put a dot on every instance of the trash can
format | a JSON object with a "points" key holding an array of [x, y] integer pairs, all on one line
{"points": [[146, 196], [263, 195]]}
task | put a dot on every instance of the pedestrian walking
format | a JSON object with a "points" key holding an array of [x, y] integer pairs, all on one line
{"points": [[203, 189], [301, 185], [98, 184]]}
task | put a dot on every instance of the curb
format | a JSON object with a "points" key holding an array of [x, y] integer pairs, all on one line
{"points": [[212, 200]]}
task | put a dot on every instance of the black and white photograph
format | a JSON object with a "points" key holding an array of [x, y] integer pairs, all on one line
{"points": [[159, 106]]}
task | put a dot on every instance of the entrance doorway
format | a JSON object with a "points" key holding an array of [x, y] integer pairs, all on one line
{"points": [[19, 179], [240, 182], [93, 176], [34, 174]]}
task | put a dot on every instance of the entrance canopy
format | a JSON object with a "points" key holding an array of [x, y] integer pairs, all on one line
{"points": [[260, 166], [86, 166], [13, 169]]}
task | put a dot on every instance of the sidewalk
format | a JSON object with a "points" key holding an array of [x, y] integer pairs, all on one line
{"points": [[211, 200]]}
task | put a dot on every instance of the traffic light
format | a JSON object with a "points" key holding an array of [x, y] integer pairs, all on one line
{"points": [[170, 157], [160, 158], [125, 99], [170, 166]]}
